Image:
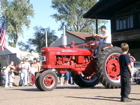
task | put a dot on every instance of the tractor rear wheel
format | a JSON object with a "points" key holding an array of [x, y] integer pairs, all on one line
{"points": [[47, 80], [108, 68], [83, 81]]}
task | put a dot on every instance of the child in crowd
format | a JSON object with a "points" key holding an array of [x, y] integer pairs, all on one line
{"points": [[3, 75], [125, 71], [11, 78], [32, 74]]}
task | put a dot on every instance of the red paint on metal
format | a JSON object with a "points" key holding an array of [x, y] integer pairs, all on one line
{"points": [[113, 68], [48, 81], [74, 59]]}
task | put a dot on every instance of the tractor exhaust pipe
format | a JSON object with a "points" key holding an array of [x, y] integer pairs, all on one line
{"points": [[64, 38]]}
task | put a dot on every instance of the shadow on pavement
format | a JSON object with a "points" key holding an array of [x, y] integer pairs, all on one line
{"points": [[117, 99], [77, 87], [136, 93], [58, 87], [67, 87], [25, 89]]}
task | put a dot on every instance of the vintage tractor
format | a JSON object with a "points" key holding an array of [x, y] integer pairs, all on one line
{"points": [[87, 71]]}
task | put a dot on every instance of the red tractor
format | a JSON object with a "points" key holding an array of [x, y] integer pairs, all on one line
{"points": [[87, 71]]}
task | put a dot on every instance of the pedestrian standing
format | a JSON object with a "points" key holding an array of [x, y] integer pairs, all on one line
{"points": [[6, 73], [125, 71], [6, 77], [32, 74], [11, 78], [0, 76], [66, 77], [60, 78], [132, 59], [36, 65], [28, 75], [24, 67], [3, 81]]}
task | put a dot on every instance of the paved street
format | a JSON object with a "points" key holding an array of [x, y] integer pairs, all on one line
{"points": [[66, 95]]}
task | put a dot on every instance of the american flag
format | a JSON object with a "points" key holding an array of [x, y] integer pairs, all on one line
{"points": [[2, 35]]}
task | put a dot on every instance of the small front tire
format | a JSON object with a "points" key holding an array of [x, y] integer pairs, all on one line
{"points": [[48, 80]]}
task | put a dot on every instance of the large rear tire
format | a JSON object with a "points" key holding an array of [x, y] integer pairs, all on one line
{"points": [[108, 68], [83, 82], [47, 80]]}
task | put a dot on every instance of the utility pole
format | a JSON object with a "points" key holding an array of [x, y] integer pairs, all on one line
{"points": [[46, 38]]}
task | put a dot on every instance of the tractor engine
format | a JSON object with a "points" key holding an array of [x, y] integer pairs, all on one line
{"points": [[73, 59]]}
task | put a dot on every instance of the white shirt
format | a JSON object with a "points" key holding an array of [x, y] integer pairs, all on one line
{"points": [[32, 70], [109, 38], [24, 66]]}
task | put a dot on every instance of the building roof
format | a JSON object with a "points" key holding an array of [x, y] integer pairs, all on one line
{"points": [[81, 35], [105, 9]]}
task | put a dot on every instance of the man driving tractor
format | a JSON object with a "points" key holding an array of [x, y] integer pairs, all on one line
{"points": [[104, 40]]}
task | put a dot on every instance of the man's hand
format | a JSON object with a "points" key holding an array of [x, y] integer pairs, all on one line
{"points": [[95, 35]]}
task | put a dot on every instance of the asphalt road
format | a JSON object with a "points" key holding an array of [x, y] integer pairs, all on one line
{"points": [[66, 95]]}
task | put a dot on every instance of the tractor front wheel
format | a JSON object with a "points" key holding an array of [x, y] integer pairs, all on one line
{"points": [[47, 80]]}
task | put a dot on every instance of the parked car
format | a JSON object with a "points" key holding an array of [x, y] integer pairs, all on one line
{"points": [[136, 72]]}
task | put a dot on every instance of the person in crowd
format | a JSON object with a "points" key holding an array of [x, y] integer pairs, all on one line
{"points": [[71, 81], [6, 72], [36, 65], [132, 59], [104, 40], [3, 76], [1, 79], [66, 77], [125, 71], [24, 67], [28, 75], [60, 78], [32, 74], [11, 78]]}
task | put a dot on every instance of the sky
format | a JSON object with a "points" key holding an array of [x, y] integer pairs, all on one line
{"points": [[42, 17]]}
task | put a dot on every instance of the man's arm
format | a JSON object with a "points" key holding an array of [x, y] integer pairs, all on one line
{"points": [[128, 62], [101, 36], [39, 67]]}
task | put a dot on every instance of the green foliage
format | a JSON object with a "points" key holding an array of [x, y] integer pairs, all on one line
{"points": [[36, 43], [70, 13], [17, 14]]}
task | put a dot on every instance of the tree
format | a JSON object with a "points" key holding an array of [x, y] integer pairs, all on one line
{"points": [[17, 14], [36, 43], [70, 13]]}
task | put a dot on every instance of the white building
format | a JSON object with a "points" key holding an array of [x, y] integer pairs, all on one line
{"points": [[77, 37], [16, 55]]}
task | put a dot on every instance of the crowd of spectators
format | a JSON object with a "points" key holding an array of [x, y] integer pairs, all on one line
{"points": [[27, 71]]}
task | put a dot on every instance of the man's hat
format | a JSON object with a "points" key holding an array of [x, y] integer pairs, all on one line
{"points": [[4, 67], [103, 26]]}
